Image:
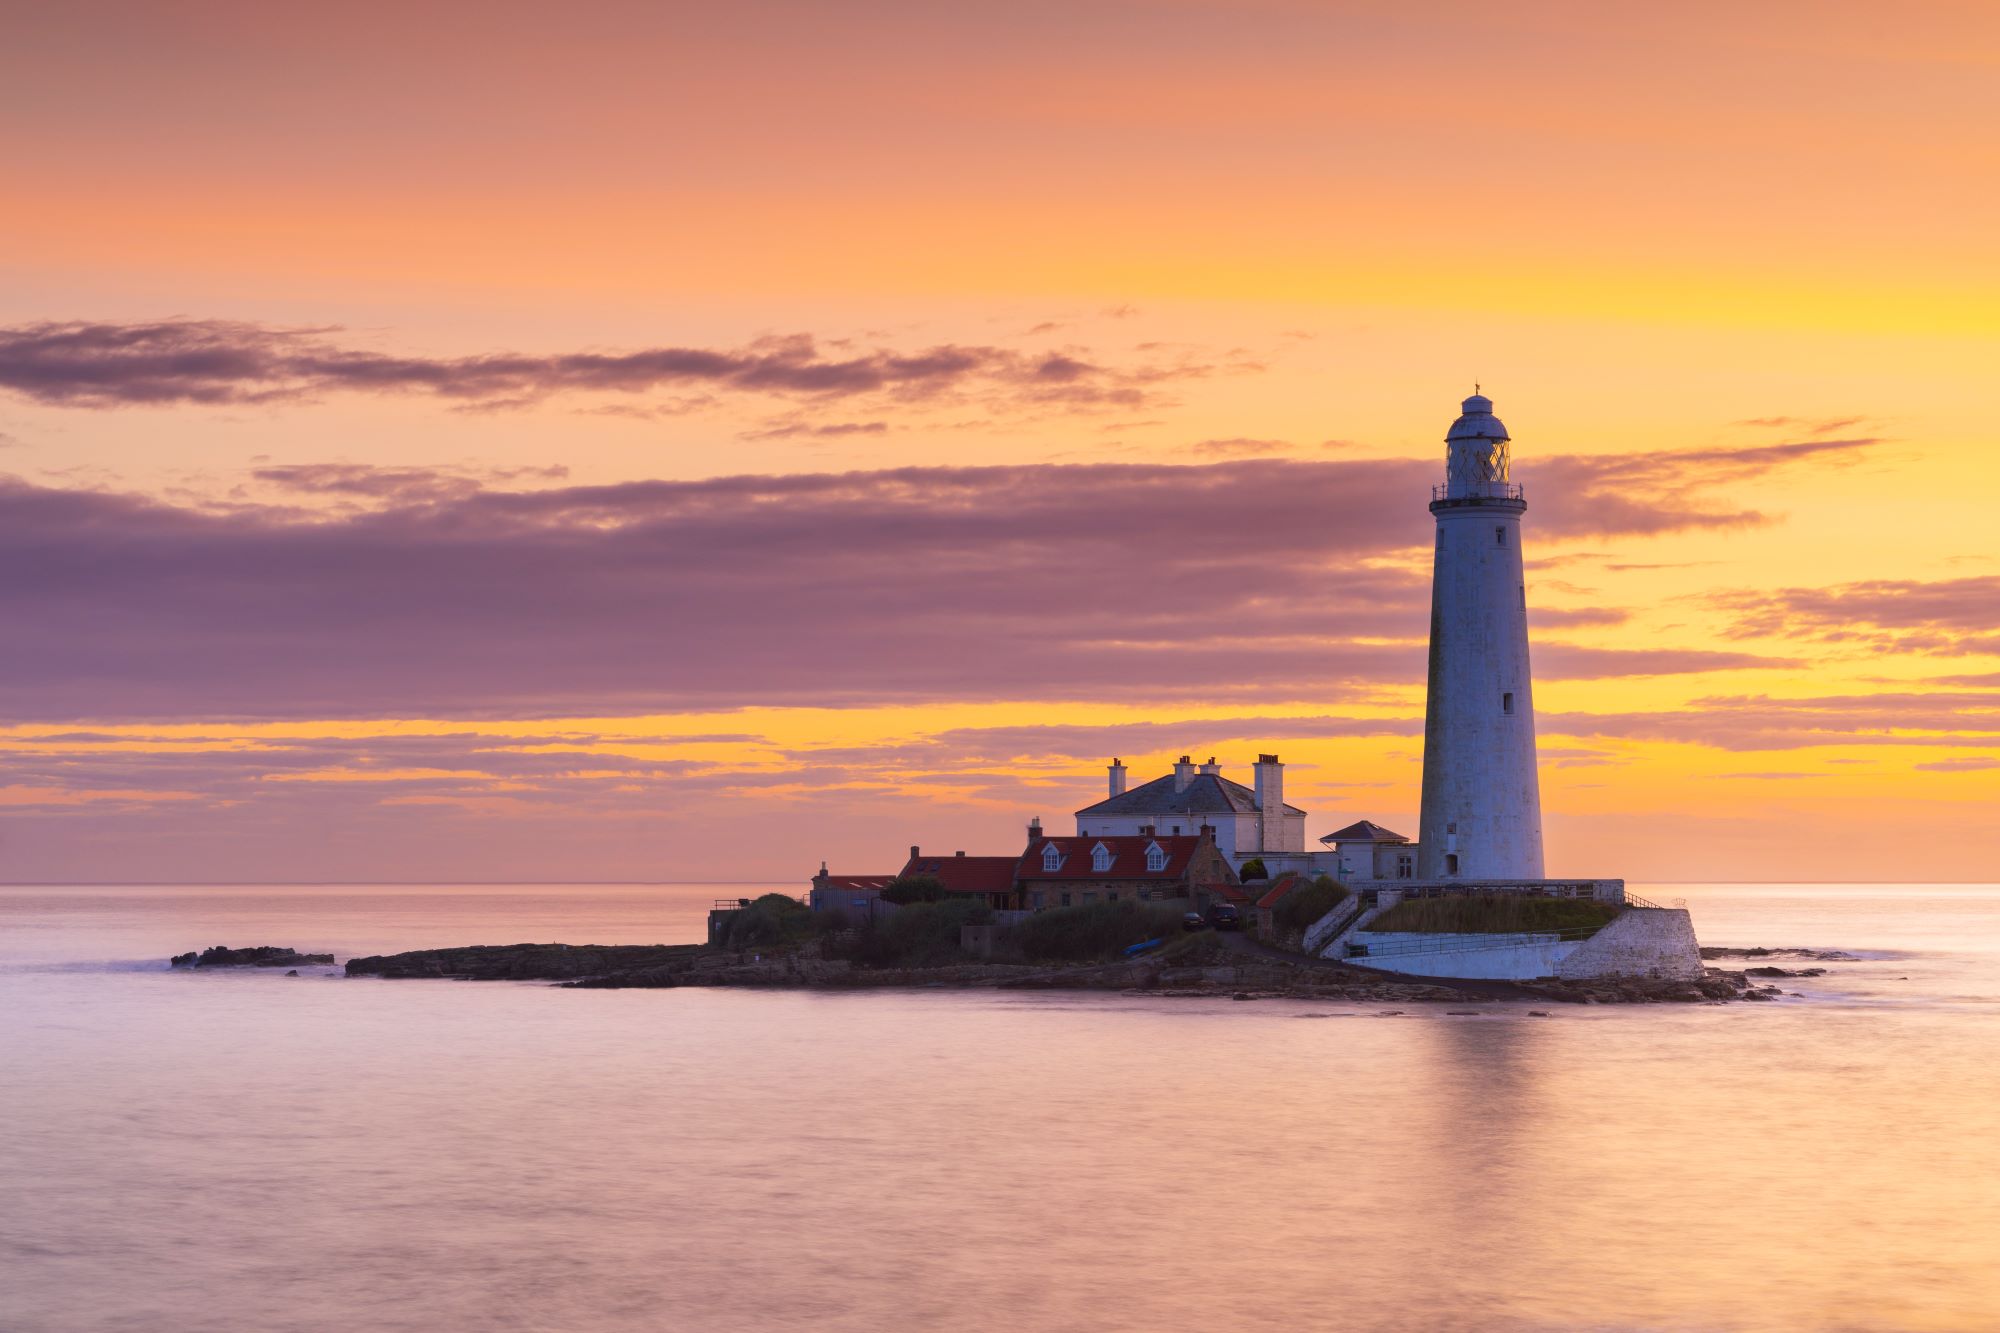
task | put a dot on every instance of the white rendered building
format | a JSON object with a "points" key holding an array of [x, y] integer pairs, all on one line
{"points": [[1248, 821]]}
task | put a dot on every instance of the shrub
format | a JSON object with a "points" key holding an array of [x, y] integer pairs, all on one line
{"points": [[1253, 869], [1094, 930], [906, 889], [770, 922], [1495, 914], [919, 935], [1303, 906]]}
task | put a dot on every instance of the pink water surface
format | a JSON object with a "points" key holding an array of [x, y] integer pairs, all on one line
{"points": [[250, 1151]]}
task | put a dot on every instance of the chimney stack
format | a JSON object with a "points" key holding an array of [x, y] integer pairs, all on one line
{"points": [[1183, 773], [1270, 804], [913, 851], [1211, 768], [1034, 830], [1117, 777]]}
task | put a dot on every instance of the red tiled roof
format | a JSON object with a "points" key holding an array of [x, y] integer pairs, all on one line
{"points": [[1233, 893], [1280, 886], [1128, 857], [967, 874]]}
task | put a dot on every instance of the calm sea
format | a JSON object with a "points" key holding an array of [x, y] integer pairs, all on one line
{"points": [[256, 1152]]}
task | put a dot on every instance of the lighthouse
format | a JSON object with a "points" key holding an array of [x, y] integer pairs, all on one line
{"points": [[1482, 801]]}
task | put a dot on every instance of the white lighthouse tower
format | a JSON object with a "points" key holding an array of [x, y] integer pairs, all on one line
{"points": [[1482, 801]]}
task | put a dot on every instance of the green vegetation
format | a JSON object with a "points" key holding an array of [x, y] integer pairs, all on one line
{"points": [[1253, 869], [1303, 906], [1094, 930], [771, 922], [923, 934], [1495, 914], [906, 889]]}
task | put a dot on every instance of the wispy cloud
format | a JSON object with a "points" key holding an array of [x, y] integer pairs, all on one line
{"points": [[82, 364], [1940, 616]]}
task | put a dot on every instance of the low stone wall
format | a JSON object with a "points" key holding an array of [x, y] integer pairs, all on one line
{"points": [[1323, 931], [1656, 942]]}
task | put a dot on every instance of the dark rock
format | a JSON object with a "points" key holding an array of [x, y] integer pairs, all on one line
{"points": [[1540, 1013], [294, 972], [264, 955], [1817, 955], [524, 962]]}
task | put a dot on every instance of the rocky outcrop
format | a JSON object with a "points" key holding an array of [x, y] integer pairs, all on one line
{"points": [[264, 955], [1816, 955], [522, 962], [1714, 986]]}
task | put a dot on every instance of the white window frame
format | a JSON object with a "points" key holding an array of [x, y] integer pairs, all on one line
{"points": [[1100, 858], [1051, 858], [1156, 858]]}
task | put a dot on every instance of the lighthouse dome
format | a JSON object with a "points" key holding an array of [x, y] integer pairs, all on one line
{"points": [[1477, 421]]}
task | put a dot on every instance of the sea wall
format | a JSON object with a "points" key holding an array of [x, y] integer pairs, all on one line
{"points": [[1656, 942], [1518, 957]]}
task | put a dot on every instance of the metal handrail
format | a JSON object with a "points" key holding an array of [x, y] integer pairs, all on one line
{"points": [[1480, 490]]}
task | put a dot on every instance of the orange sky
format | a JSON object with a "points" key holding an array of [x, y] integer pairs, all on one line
{"points": [[1182, 235]]}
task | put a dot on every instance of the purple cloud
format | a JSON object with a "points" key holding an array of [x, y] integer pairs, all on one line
{"points": [[429, 594], [219, 362], [1942, 616]]}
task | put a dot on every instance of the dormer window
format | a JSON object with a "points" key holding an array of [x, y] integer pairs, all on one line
{"points": [[1100, 858], [1051, 859], [1156, 858]]}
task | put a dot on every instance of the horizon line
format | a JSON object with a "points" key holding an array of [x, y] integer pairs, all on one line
{"points": [[663, 883]]}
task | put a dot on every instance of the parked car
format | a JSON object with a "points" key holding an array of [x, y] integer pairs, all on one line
{"points": [[1223, 916], [1193, 921]]}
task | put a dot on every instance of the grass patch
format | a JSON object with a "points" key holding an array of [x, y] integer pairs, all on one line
{"points": [[773, 921], [906, 889], [1094, 930], [1492, 914], [920, 935], [1301, 907]]}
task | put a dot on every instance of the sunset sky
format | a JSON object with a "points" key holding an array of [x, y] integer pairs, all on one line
{"points": [[657, 441]]}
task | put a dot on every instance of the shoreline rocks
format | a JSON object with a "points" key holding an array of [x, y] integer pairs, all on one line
{"points": [[1712, 952], [263, 955], [522, 962], [664, 967]]}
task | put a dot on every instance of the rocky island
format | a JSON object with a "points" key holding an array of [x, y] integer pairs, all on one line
{"points": [[264, 955], [1106, 948]]}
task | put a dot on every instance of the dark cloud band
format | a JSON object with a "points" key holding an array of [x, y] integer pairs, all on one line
{"points": [[432, 594]]}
